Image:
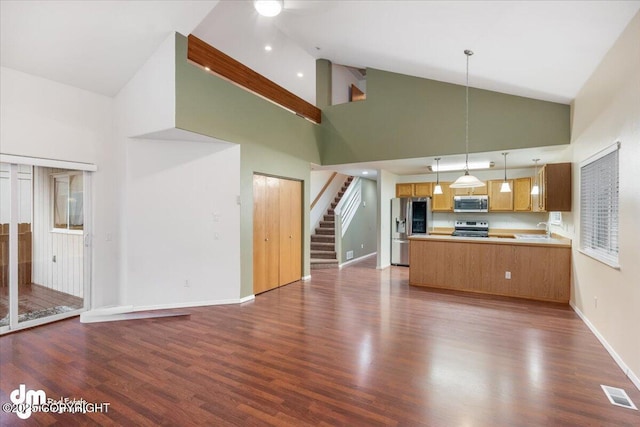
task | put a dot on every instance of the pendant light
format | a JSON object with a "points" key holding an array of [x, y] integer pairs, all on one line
{"points": [[466, 180], [438, 188], [505, 188], [535, 190]]}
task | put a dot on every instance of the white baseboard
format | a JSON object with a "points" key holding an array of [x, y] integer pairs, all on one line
{"points": [[351, 261], [306, 278], [628, 372], [111, 314]]}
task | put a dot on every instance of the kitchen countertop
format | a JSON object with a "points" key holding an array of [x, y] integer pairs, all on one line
{"points": [[554, 241]]}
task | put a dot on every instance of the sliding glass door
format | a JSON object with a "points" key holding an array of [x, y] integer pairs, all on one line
{"points": [[43, 245]]}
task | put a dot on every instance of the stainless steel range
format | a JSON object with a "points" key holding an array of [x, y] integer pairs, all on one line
{"points": [[471, 229]]}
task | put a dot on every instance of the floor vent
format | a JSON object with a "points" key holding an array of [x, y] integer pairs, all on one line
{"points": [[618, 397]]}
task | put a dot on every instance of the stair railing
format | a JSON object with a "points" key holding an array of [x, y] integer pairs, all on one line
{"points": [[345, 210]]}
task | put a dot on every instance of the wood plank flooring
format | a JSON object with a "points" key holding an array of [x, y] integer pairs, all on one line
{"points": [[351, 347], [33, 297]]}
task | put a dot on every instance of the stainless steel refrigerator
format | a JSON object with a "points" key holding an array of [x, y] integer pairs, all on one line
{"points": [[409, 216]]}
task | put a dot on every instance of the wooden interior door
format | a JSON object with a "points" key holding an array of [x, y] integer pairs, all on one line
{"points": [[290, 231], [266, 229]]}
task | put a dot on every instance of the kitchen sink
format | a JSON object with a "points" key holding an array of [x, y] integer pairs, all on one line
{"points": [[531, 236]]}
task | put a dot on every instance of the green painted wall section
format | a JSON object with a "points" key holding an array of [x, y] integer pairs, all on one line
{"points": [[363, 228], [406, 117], [324, 83], [273, 141]]}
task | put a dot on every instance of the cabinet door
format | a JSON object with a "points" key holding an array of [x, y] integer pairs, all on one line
{"points": [[404, 190], [443, 202], [500, 201], [422, 189], [522, 194], [477, 191], [290, 231], [538, 200], [557, 196]]}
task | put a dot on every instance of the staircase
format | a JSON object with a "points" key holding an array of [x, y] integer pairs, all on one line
{"points": [[323, 241]]}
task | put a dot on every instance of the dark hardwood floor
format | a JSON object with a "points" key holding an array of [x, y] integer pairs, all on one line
{"points": [[352, 347]]}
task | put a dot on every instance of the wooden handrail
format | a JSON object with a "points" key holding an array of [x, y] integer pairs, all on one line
{"points": [[323, 189], [228, 68]]}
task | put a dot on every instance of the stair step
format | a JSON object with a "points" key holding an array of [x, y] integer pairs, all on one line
{"points": [[323, 238], [326, 231], [323, 255], [327, 224], [331, 218], [323, 246], [330, 211], [317, 264]]}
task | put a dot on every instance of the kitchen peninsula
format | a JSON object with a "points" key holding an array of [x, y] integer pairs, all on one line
{"points": [[535, 268]]}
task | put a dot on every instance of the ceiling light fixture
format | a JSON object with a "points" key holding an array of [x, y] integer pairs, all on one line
{"points": [[483, 164], [535, 190], [268, 48], [365, 173], [466, 180], [300, 75], [268, 7], [438, 188], [505, 188]]}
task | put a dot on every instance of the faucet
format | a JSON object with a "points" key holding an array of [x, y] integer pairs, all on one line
{"points": [[546, 228]]}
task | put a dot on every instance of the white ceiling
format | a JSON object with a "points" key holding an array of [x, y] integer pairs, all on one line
{"points": [[93, 45], [539, 49]]}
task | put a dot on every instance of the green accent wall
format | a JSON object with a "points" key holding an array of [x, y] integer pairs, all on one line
{"points": [[323, 83], [407, 117], [272, 141]]}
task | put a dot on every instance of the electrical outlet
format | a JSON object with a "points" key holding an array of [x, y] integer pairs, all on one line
{"points": [[507, 275]]}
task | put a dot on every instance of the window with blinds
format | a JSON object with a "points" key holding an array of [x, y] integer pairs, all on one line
{"points": [[599, 206]]}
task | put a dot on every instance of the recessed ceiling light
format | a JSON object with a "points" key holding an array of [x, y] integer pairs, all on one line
{"points": [[365, 173], [207, 68], [300, 75], [268, 48], [268, 7]]}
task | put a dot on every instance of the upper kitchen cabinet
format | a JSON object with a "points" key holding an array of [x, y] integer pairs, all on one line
{"points": [[554, 181], [500, 201], [413, 189], [404, 190], [522, 194], [473, 191], [443, 202]]}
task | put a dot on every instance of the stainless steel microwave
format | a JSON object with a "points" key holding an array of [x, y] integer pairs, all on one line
{"points": [[471, 203]]}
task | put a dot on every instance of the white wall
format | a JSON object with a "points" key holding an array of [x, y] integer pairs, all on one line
{"points": [[316, 182], [341, 80], [183, 223], [607, 109], [42, 118], [386, 191]]}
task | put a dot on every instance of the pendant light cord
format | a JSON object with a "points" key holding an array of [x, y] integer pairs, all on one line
{"points": [[466, 129]]}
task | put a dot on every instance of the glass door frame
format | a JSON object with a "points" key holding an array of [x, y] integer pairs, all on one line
{"points": [[14, 162]]}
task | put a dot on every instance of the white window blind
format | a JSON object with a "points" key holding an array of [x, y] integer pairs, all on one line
{"points": [[599, 206]]}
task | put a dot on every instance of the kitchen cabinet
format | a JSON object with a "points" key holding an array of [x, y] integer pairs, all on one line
{"points": [[522, 194], [277, 232], [422, 189], [498, 201], [443, 202], [554, 182], [404, 190], [474, 191], [437, 261], [413, 189]]}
